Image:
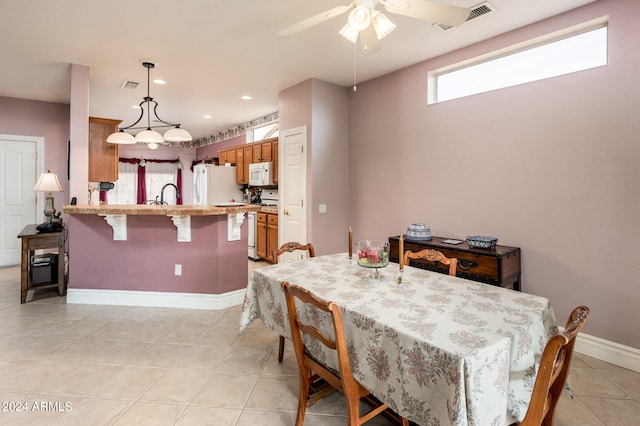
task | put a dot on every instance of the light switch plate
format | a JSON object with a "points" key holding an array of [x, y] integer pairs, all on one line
{"points": [[323, 208]]}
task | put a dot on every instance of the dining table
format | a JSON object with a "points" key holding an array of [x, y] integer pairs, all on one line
{"points": [[438, 349]]}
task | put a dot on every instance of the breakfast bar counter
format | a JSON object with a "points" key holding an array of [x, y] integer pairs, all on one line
{"points": [[158, 255], [161, 210]]}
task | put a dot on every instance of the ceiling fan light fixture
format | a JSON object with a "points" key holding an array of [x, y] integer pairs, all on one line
{"points": [[360, 18], [177, 135], [149, 136], [349, 33], [122, 138], [382, 25]]}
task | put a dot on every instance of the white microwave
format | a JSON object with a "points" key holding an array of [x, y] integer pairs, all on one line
{"points": [[261, 174]]}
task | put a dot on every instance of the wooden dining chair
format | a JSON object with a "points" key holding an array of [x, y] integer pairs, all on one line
{"points": [[434, 256], [554, 367], [288, 248], [291, 247], [343, 381]]}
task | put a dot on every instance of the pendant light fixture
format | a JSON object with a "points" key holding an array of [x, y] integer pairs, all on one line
{"points": [[148, 135]]}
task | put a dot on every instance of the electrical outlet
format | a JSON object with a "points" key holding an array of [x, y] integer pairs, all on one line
{"points": [[178, 269], [322, 208]]}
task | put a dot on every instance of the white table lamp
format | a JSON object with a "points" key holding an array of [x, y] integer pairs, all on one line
{"points": [[48, 182]]}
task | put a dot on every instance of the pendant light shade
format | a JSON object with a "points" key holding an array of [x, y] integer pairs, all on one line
{"points": [[177, 135], [121, 137], [148, 135]]}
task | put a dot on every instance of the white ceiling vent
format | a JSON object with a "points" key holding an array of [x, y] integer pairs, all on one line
{"points": [[476, 12], [129, 84]]}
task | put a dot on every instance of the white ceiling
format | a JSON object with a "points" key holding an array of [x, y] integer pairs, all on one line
{"points": [[211, 52]]}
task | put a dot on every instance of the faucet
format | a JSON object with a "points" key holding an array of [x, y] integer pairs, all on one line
{"points": [[162, 193]]}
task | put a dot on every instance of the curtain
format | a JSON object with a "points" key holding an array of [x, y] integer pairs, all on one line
{"points": [[141, 190], [141, 180], [125, 188], [157, 176]]}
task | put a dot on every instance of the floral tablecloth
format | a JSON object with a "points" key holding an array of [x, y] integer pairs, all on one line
{"points": [[439, 350]]}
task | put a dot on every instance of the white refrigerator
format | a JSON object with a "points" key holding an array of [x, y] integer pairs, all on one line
{"points": [[215, 184]]}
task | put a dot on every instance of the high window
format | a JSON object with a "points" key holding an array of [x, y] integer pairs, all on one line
{"points": [[262, 132], [574, 49]]}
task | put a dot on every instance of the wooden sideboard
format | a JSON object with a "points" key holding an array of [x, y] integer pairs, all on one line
{"points": [[499, 266]]}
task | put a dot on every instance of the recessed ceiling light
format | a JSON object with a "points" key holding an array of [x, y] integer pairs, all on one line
{"points": [[158, 81], [207, 116], [246, 98]]}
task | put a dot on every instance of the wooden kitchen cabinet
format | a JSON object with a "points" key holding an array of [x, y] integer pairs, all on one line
{"points": [[243, 155], [274, 158], [239, 165], [222, 157], [261, 152], [227, 156], [272, 235], [266, 235], [103, 156], [261, 235], [242, 171]]}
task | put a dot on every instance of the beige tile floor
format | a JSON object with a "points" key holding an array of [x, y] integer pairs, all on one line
{"points": [[116, 365]]}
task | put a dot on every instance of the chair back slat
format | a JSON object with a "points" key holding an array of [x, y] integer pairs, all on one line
{"points": [[433, 256], [291, 247]]}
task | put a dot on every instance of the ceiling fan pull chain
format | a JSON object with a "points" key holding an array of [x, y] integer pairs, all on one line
{"points": [[354, 67]]}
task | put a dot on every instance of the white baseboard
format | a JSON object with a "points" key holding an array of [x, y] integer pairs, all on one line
{"points": [[611, 352], [156, 298]]}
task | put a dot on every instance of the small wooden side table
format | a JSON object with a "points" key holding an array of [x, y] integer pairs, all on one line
{"points": [[33, 240]]}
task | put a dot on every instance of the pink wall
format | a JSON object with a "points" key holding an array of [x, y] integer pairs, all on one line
{"points": [[79, 132], [324, 109], [329, 152], [44, 119], [550, 166], [145, 262]]}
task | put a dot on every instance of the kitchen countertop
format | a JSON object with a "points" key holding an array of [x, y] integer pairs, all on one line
{"points": [[159, 210], [269, 209]]}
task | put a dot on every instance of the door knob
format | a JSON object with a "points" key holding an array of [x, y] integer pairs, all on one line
{"points": [[286, 212]]}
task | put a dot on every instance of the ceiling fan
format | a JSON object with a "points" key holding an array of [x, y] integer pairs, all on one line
{"points": [[371, 25]]}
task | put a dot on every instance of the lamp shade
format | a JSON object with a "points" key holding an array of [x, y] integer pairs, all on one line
{"points": [[149, 136], [349, 33], [177, 135], [382, 25], [121, 137], [48, 182]]}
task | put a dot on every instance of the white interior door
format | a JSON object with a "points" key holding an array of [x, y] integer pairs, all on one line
{"points": [[18, 157], [292, 180]]}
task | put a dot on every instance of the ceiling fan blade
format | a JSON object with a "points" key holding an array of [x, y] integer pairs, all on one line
{"points": [[369, 42], [430, 11], [314, 20]]}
